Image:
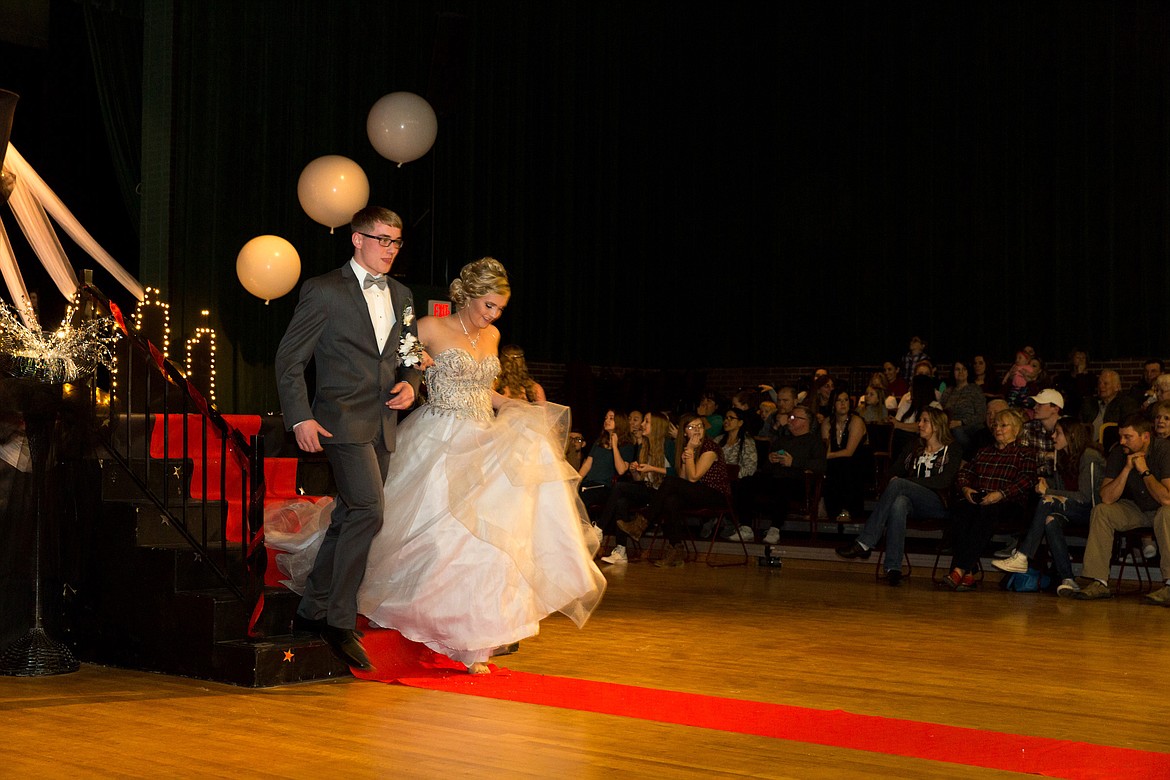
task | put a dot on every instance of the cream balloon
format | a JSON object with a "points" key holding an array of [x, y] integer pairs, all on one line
{"points": [[331, 189], [268, 267], [402, 126]]}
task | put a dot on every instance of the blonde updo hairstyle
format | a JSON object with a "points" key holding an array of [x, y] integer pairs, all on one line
{"points": [[477, 279]]}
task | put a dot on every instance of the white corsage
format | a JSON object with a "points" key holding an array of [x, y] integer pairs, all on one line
{"points": [[410, 350], [408, 316]]}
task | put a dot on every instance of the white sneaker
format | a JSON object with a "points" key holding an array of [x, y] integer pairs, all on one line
{"points": [[1068, 588], [744, 533], [598, 532], [772, 536], [1149, 550], [617, 556], [1018, 563], [1007, 551]]}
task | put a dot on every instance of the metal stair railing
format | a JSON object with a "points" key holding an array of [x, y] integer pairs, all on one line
{"points": [[148, 384]]}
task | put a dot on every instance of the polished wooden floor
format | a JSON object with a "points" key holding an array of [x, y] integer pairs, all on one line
{"points": [[813, 634]]}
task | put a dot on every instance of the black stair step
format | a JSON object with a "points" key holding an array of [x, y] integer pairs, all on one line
{"points": [[275, 661], [154, 528], [226, 617], [168, 480]]}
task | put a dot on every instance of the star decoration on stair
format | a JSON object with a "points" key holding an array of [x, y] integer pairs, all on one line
{"points": [[288, 655]]}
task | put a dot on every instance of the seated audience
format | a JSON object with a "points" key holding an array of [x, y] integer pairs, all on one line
{"points": [[913, 357], [895, 384], [921, 484], [1160, 414], [821, 397], [574, 449], [780, 477], [1020, 381], [744, 401], [739, 449], [1143, 390], [654, 462], [1110, 406], [1065, 500], [873, 407], [994, 488], [922, 394], [608, 459], [1162, 388], [847, 467], [1134, 494], [710, 412], [983, 377], [984, 436], [1078, 383], [700, 481], [634, 418], [964, 404], [514, 380]]}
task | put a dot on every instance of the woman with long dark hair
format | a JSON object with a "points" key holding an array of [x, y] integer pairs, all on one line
{"points": [[655, 461], [843, 432]]}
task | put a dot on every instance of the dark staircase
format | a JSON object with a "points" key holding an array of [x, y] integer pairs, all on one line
{"points": [[141, 597]]}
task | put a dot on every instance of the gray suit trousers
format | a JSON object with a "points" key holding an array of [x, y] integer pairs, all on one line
{"points": [[331, 590]]}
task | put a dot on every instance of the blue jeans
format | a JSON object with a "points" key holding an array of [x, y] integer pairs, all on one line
{"points": [[901, 499], [1053, 530]]}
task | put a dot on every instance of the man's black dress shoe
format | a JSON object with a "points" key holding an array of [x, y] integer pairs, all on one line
{"points": [[854, 550], [305, 627], [894, 577], [346, 646]]}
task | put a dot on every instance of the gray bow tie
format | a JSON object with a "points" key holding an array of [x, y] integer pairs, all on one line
{"points": [[370, 281]]}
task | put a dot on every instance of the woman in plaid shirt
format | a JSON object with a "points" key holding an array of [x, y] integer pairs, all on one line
{"points": [[995, 487]]}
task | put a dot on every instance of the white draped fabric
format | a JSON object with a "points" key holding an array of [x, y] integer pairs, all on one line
{"points": [[33, 202]]}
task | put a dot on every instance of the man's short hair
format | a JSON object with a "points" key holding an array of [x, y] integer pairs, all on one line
{"points": [[365, 219], [1139, 421]]}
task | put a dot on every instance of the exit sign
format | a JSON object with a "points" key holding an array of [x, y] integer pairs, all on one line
{"points": [[439, 308]]}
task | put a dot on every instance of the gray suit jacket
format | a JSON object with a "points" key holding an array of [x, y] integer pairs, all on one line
{"points": [[331, 325]]}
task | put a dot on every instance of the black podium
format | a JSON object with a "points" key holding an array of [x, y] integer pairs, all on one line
{"points": [[36, 653]]}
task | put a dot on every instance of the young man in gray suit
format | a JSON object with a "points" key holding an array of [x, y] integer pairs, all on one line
{"points": [[350, 322]]}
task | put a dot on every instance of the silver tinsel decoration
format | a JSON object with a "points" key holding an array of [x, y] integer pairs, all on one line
{"points": [[64, 355]]}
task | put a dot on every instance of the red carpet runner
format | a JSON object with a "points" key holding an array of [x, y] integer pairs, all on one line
{"points": [[402, 661]]}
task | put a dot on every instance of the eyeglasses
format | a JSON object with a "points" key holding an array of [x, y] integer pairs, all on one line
{"points": [[798, 417], [694, 427], [384, 241]]}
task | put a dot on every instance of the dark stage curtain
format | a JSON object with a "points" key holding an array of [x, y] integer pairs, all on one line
{"points": [[759, 184]]}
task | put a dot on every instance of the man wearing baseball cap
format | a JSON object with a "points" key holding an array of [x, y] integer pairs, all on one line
{"points": [[1038, 434]]}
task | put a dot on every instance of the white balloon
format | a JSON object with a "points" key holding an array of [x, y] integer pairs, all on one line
{"points": [[332, 188], [268, 267], [402, 126]]}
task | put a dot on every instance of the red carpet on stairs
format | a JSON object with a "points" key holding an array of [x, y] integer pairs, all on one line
{"points": [[398, 660], [280, 474]]}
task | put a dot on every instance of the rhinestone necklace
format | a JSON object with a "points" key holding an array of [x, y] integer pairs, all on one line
{"points": [[474, 341]]}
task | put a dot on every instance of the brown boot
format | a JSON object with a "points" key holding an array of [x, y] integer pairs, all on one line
{"points": [[635, 528], [674, 556]]}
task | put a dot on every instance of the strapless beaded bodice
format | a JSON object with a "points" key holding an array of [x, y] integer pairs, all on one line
{"points": [[460, 385]]}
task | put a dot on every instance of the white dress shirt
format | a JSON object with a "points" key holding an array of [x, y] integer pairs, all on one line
{"points": [[379, 304]]}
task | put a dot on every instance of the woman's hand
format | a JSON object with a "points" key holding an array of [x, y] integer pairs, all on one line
{"points": [[969, 494], [1042, 486], [994, 497]]}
